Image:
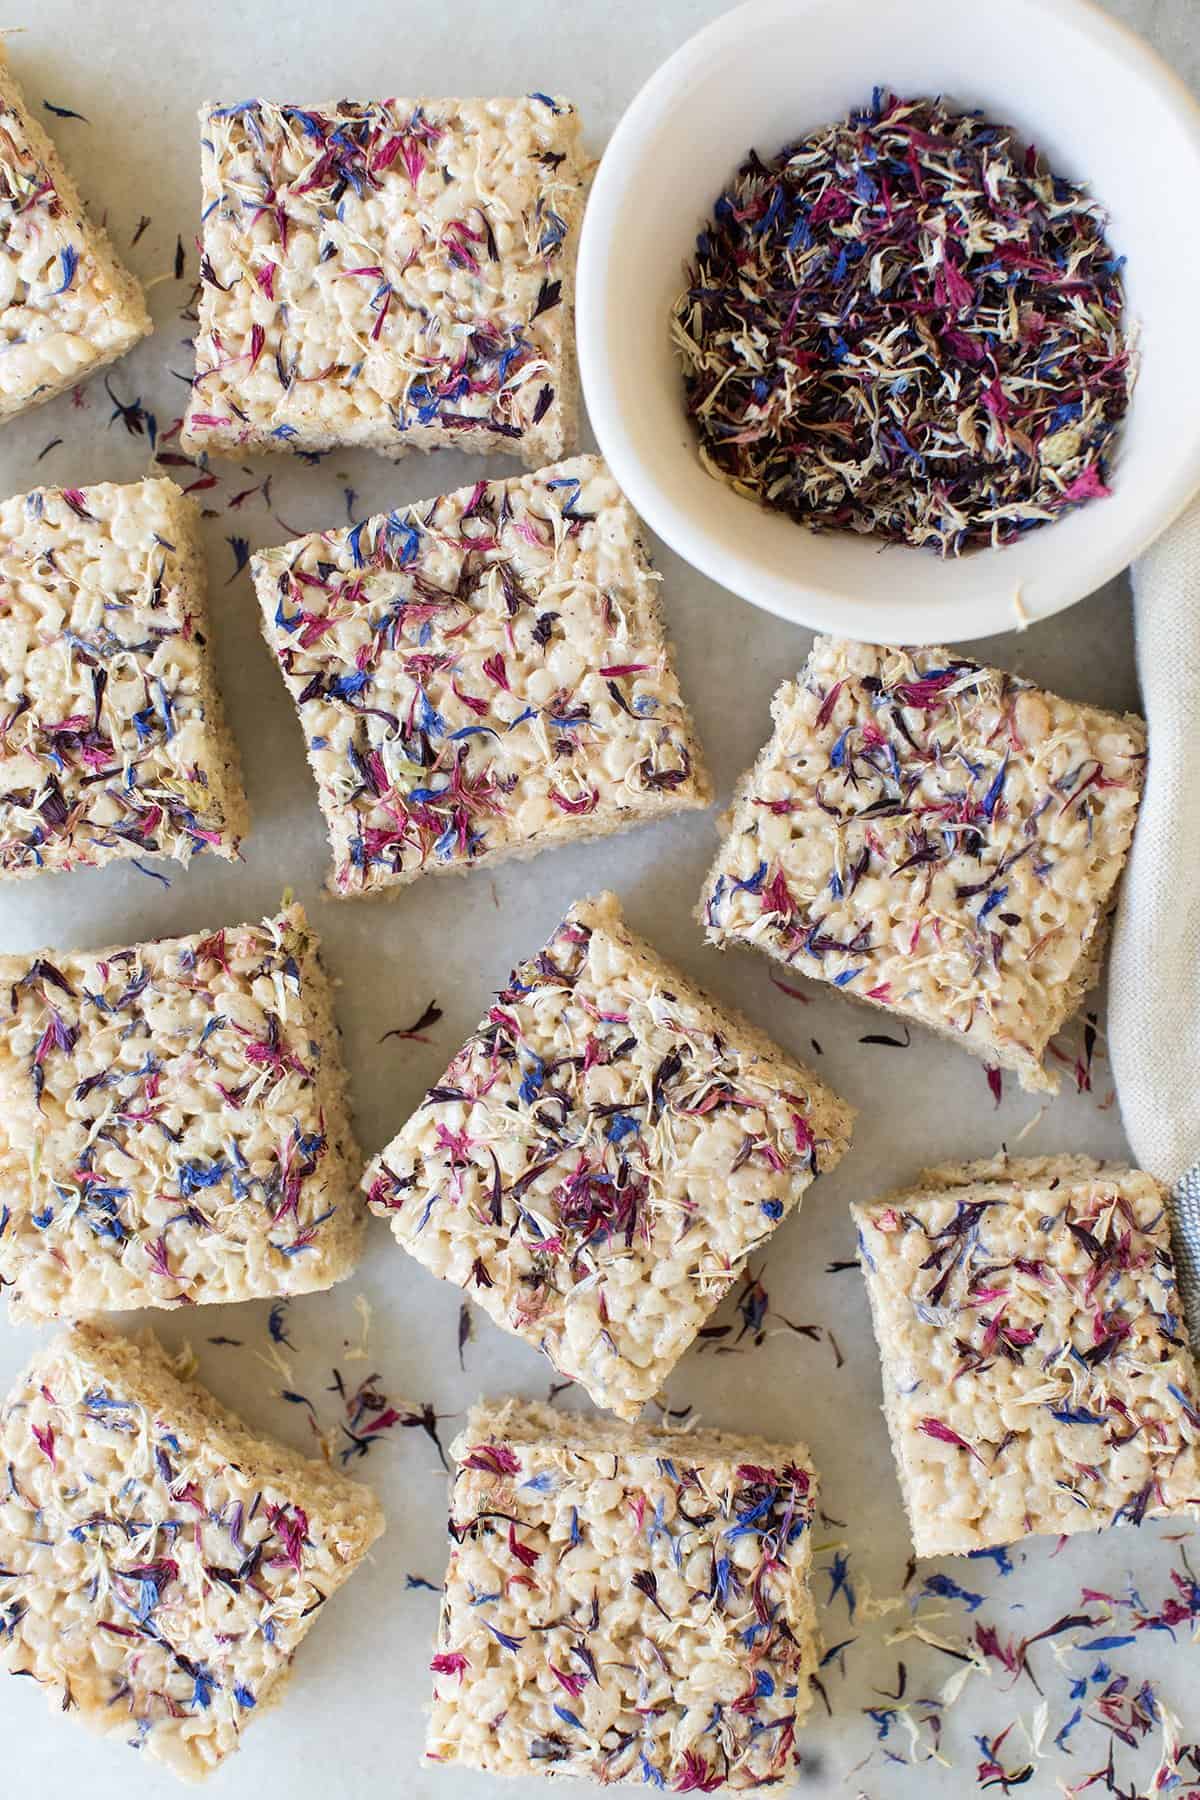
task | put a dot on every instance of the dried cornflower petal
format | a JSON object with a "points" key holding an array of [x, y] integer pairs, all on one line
{"points": [[906, 324]]}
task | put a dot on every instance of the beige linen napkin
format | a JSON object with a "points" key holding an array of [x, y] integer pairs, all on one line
{"points": [[1154, 981]]}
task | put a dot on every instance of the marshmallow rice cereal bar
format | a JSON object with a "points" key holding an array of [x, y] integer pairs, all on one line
{"points": [[113, 741], [481, 675], [173, 1124], [602, 1156], [938, 839], [624, 1605], [67, 307], [396, 274], [1036, 1372], [159, 1564]]}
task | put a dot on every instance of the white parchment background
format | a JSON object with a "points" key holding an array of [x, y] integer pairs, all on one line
{"points": [[351, 1725]]}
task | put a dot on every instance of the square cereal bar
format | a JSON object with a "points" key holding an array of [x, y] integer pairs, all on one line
{"points": [[602, 1156], [113, 741], [939, 839], [611, 1593], [481, 675], [173, 1124], [67, 307], [1036, 1374], [159, 1564], [397, 274]]}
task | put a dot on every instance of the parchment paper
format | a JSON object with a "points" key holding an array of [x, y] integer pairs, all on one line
{"points": [[352, 1723]]}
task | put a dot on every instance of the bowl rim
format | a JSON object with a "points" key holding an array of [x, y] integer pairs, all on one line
{"points": [[802, 600]]}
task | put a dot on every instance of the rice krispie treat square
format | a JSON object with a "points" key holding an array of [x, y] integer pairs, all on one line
{"points": [[481, 675], [159, 1564], [173, 1124], [396, 274], [624, 1605], [1036, 1373], [938, 839], [67, 307], [602, 1156], [113, 741]]}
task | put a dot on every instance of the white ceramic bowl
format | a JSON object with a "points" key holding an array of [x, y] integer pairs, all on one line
{"points": [[1105, 110]]}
